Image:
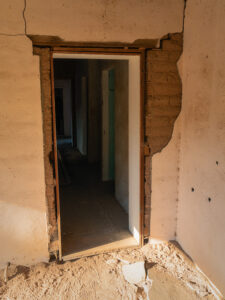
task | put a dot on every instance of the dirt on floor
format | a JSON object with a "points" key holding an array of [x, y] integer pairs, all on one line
{"points": [[169, 274]]}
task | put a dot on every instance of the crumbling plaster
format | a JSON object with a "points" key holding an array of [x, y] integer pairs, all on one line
{"points": [[199, 129], [23, 208]]}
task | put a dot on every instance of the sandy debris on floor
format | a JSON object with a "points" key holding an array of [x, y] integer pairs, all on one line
{"points": [[169, 275]]}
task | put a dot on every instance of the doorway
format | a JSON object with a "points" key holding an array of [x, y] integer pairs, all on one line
{"points": [[99, 156]]}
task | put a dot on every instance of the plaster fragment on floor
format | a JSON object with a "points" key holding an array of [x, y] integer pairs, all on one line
{"points": [[134, 273]]}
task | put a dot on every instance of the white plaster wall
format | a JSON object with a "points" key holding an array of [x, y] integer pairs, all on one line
{"points": [[23, 226], [201, 223], [121, 129]]}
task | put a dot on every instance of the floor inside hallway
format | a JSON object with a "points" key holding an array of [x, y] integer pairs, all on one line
{"points": [[92, 220]]}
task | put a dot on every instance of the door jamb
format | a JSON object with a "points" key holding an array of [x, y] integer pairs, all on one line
{"points": [[125, 51], [55, 158]]}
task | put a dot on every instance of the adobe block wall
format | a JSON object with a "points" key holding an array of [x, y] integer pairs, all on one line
{"points": [[164, 91], [162, 106], [23, 195], [47, 123]]}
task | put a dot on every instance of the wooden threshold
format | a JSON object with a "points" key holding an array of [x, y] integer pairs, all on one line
{"points": [[129, 243]]}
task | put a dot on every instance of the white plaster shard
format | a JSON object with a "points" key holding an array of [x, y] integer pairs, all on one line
{"points": [[134, 273]]}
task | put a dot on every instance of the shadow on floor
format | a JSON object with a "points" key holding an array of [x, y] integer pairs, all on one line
{"points": [[90, 215]]}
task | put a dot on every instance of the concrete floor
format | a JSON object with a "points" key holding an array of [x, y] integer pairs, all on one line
{"points": [[92, 219]]}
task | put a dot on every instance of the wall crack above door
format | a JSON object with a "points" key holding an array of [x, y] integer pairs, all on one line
{"points": [[25, 23]]}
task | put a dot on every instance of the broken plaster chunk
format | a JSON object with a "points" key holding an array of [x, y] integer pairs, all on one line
{"points": [[134, 273]]}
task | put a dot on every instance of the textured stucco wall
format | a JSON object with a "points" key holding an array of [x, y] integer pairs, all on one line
{"points": [[104, 20], [23, 223], [23, 227], [201, 223], [164, 200]]}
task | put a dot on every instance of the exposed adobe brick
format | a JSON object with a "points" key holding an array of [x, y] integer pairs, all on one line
{"points": [[164, 67], [166, 89], [163, 88], [157, 122], [171, 45], [44, 54], [175, 101], [161, 100], [163, 104], [163, 77]]}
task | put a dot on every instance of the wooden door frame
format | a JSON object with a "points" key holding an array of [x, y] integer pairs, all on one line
{"points": [[112, 51]]}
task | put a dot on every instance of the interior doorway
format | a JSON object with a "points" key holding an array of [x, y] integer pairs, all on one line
{"points": [[98, 141]]}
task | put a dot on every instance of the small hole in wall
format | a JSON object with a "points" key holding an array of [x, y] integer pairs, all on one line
{"points": [[209, 199], [192, 189], [217, 163]]}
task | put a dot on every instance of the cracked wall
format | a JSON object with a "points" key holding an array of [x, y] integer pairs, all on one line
{"points": [[23, 193], [163, 104], [201, 207]]}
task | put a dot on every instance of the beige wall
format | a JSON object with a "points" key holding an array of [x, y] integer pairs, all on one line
{"points": [[23, 210], [164, 199], [23, 223], [201, 224], [103, 20]]}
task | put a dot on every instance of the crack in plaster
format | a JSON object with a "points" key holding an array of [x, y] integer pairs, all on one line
{"points": [[179, 147], [184, 10], [25, 24]]}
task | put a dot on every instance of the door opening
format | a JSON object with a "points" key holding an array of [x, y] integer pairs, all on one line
{"points": [[98, 141]]}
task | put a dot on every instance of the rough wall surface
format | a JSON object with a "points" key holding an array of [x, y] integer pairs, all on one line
{"points": [[46, 105], [164, 197], [164, 92], [201, 220], [104, 20], [23, 207], [23, 223]]}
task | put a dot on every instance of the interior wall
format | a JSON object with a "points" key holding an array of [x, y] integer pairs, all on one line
{"points": [[163, 105], [64, 75], [201, 205], [23, 207], [23, 220], [121, 128], [67, 105], [165, 176], [97, 20], [94, 111], [74, 70]]}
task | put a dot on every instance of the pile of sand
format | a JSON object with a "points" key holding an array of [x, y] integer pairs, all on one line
{"points": [[170, 275]]}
